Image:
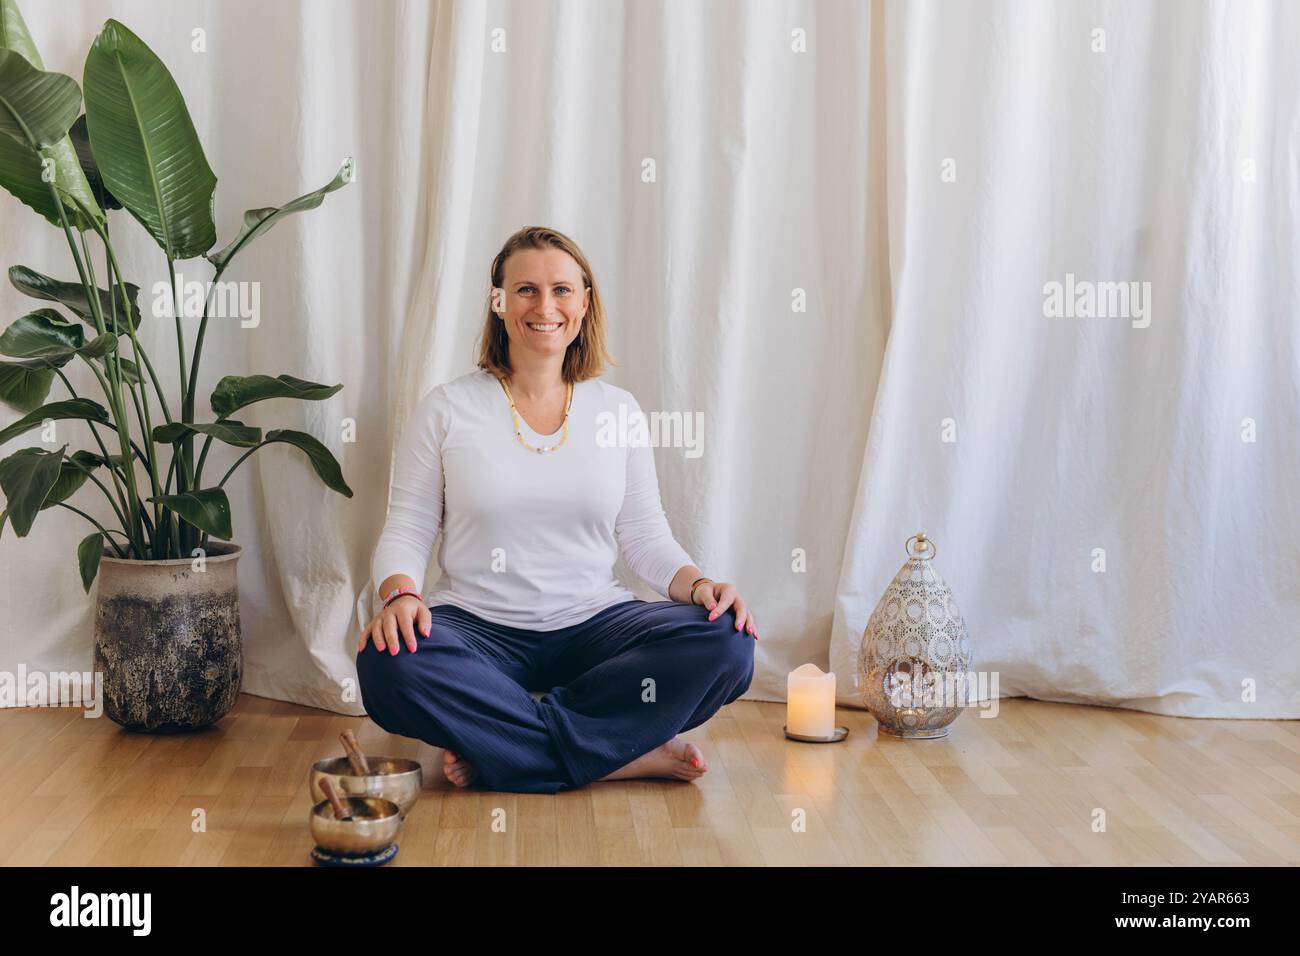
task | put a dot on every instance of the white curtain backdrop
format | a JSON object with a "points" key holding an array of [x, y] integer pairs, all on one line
{"points": [[1167, 157], [779, 177]]}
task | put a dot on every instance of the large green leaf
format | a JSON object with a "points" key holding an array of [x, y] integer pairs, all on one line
{"points": [[97, 347], [20, 168], [145, 143], [38, 331], [59, 356], [321, 459], [207, 509], [72, 477], [22, 173], [26, 477], [43, 339], [89, 552], [23, 389], [86, 160], [14, 34], [69, 408], [25, 384], [235, 391], [258, 222], [73, 295], [93, 461], [230, 432], [36, 108]]}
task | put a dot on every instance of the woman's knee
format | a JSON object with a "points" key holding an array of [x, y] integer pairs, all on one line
{"points": [[733, 650], [384, 678], [387, 682], [408, 673], [376, 673], [378, 670]]}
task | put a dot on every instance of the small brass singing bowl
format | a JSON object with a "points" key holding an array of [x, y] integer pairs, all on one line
{"points": [[393, 778], [373, 825]]}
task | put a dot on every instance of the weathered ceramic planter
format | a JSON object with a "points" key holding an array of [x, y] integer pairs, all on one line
{"points": [[167, 640]]}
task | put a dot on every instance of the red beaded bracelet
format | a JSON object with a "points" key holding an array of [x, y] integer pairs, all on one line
{"points": [[399, 592]]}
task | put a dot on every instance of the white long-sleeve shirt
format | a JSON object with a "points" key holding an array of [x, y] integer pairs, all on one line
{"points": [[528, 540]]}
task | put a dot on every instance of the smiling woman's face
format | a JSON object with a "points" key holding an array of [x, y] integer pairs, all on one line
{"points": [[544, 301]]}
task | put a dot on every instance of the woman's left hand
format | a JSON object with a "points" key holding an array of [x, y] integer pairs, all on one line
{"points": [[717, 596]]}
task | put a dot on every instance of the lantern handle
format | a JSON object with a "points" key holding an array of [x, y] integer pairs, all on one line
{"points": [[925, 549]]}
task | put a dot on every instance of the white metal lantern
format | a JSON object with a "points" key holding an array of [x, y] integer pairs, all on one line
{"points": [[915, 656]]}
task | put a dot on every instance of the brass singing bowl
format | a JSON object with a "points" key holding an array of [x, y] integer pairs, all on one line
{"points": [[393, 778], [373, 825]]}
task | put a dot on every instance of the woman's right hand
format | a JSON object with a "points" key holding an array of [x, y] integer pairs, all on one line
{"points": [[402, 617]]}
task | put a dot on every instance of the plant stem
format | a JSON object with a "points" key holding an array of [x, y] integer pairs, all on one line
{"points": [[197, 475], [198, 342], [121, 516], [142, 415], [119, 419], [147, 454], [185, 477], [142, 356], [112, 299], [103, 449], [180, 337], [109, 395], [144, 516], [145, 420], [103, 530], [138, 353], [222, 482], [203, 456]]}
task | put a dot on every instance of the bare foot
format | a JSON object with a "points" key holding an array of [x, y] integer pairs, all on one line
{"points": [[457, 769], [677, 760]]}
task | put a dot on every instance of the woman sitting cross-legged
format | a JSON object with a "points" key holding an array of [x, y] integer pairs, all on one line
{"points": [[513, 465]]}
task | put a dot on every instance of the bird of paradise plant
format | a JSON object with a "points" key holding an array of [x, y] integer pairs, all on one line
{"points": [[135, 148]]}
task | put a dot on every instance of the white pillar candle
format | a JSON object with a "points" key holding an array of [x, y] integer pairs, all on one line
{"points": [[810, 702]]}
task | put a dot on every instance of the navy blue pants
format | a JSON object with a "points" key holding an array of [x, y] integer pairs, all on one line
{"points": [[618, 685]]}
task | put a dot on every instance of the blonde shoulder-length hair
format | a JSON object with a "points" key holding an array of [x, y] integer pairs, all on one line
{"points": [[586, 356]]}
